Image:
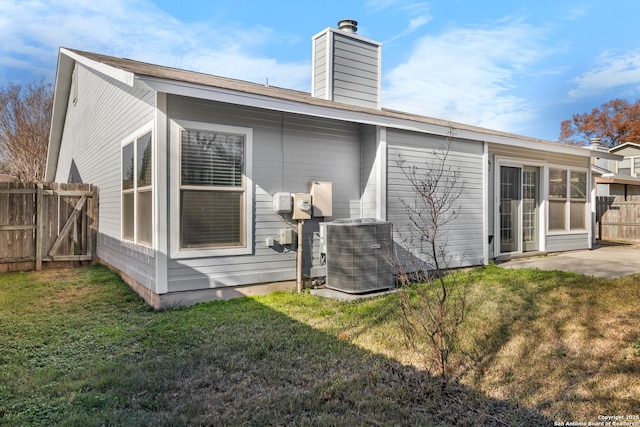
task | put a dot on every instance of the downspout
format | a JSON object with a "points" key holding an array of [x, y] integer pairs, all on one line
{"points": [[299, 258]]}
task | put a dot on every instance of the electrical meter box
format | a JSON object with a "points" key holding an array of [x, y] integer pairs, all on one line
{"points": [[285, 236], [282, 202], [322, 198], [302, 207]]}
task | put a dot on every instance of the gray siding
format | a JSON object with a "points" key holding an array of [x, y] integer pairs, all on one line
{"points": [[567, 242], [464, 236], [105, 113], [355, 72], [288, 151], [320, 66], [346, 69]]}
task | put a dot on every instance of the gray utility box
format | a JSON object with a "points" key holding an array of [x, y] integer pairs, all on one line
{"points": [[357, 253]]}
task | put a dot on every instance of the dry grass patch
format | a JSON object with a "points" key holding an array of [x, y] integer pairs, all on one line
{"points": [[568, 350]]}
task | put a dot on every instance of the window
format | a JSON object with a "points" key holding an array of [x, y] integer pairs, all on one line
{"points": [[567, 191], [557, 199], [214, 187], [624, 167], [137, 210]]}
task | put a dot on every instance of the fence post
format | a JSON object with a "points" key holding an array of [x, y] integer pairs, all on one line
{"points": [[39, 226]]}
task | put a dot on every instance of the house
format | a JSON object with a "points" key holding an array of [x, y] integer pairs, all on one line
{"points": [[187, 166], [618, 191]]}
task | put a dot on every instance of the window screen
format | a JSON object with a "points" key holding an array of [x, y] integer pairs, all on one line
{"points": [[212, 189]]}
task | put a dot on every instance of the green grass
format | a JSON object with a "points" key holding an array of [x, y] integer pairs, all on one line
{"points": [[79, 348]]}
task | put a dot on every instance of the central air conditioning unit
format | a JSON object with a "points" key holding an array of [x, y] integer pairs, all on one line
{"points": [[357, 255]]}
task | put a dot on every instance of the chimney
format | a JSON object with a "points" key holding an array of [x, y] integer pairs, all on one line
{"points": [[346, 66]]}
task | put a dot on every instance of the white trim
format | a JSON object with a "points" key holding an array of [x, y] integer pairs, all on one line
{"points": [[379, 103], [485, 203], [122, 76], [160, 194], [328, 85], [381, 175], [132, 138], [176, 251], [519, 163]]}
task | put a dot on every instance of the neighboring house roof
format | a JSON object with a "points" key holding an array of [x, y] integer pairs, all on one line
{"points": [[205, 86], [623, 146], [7, 178]]}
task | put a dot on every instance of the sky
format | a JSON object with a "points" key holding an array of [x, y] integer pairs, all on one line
{"points": [[514, 66]]}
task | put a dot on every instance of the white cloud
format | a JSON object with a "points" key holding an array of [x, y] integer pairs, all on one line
{"points": [[575, 12], [613, 72], [468, 75], [139, 30]]}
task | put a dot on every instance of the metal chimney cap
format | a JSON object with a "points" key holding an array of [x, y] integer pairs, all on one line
{"points": [[595, 141], [348, 25]]}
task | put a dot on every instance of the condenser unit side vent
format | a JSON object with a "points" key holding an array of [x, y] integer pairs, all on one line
{"points": [[357, 255]]}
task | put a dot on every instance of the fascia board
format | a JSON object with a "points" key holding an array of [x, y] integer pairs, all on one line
{"points": [[284, 105], [118, 74], [61, 93]]}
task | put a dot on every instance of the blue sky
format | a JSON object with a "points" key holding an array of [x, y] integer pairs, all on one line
{"points": [[515, 66]]}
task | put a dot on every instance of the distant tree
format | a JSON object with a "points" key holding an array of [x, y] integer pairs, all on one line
{"points": [[25, 117], [614, 122]]}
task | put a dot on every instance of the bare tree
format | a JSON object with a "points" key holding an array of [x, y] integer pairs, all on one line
{"points": [[25, 117], [432, 307]]}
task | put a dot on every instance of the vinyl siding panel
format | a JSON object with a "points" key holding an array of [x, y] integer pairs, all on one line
{"points": [[106, 112], [567, 242], [288, 151], [356, 73], [464, 236], [320, 66]]}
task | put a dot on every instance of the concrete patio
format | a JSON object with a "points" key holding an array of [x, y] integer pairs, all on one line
{"points": [[604, 260]]}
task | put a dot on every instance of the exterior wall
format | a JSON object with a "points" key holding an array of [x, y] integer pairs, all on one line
{"points": [[465, 236], [288, 151], [104, 113], [567, 242], [556, 241]]}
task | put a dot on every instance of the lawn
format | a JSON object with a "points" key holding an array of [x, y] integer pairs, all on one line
{"points": [[79, 348]]}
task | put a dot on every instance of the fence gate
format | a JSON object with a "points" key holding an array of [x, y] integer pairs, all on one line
{"points": [[47, 223]]}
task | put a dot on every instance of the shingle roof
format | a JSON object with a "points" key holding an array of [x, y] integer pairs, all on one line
{"points": [[197, 78]]}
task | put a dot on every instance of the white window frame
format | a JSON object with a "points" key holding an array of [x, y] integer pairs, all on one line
{"points": [[133, 138], [177, 126], [567, 202]]}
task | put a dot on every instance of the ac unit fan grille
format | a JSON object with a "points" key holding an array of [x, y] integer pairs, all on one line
{"points": [[357, 257]]}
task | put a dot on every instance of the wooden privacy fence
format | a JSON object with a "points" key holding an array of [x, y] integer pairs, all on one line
{"points": [[54, 224], [618, 217]]}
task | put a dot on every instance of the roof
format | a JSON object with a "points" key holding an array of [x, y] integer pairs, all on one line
{"points": [[615, 178], [191, 83]]}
